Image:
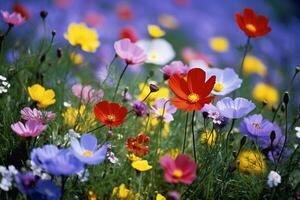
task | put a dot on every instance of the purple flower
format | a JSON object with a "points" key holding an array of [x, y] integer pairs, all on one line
{"points": [[56, 161], [31, 128], [140, 108], [176, 67], [214, 113], [126, 95], [255, 126], [87, 94], [164, 109], [235, 109], [86, 151], [12, 18], [26, 182], [130, 52], [45, 189], [37, 115]]}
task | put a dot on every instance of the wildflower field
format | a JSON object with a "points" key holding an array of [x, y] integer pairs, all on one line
{"points": [[160, 99]]}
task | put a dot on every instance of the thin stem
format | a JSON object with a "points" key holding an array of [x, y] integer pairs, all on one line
{"points": [[108, 68], [10, 26], [119, 80], [228, 135], [185, 131], [285, 134], [193, 133], [146, 97], [244, 54], [63, 183], [99, 127]]}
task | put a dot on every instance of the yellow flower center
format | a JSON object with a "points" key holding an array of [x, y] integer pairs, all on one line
{"points": [[177, 173], [193, 98], [161, 111], [87, 153], [251, 27], [152, 56], [219, 44], [111, 118], [256, 125], [218, 87]]}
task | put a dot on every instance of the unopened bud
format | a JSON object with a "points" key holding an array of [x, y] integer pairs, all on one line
{"points": [[43, 14], [59, 52], [297, 69], [153, 88], [286, 98], [272, 136], [43, 58], [53, 33]]}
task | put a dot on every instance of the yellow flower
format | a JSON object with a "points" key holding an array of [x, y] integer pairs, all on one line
{"points": [[163, 92], [209, 137], [141, 165], [219, 44], [160, 197], [92, 195], [123, 193], [251, 162], [76, 58], [82, 119], [43, 97], [133, 157], [85, 37], [168, 21], [265, 93], [155, 31], [173, 153], [253, 65], [153, 124]]}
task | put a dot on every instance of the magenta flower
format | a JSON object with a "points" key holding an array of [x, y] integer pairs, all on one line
{"points": [[37, 115], [163, 109], [176, 67], [12, 18], [87, 94], [181, 170], [31, 128], [130, 52]]}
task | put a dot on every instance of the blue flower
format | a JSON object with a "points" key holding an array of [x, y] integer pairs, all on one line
{"points": [[56, 161], [235, 109], [45, 190], [26, 182], [86, 151], [255, 126]]}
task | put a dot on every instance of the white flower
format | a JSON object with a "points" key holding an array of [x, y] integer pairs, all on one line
{"points": [[159, 51], [38, 171], [7, 175], [67, 104], [4, 85], [83, 175], [297, 129], [112, 158], [274, 179]]}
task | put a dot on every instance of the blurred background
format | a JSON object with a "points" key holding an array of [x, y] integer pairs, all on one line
{"points": [[197, 29]]}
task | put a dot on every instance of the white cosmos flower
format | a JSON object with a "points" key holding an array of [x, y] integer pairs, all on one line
{"points": [[159, 51], [226, 80]]}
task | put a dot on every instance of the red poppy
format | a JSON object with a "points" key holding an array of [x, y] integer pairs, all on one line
{"points": [[137, 145], [110, 114], [191, 91], [128, 32], [253, 25], [19, 8]]}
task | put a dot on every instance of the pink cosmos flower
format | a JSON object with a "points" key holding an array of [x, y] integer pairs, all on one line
{"points": [[159, 111], [87, 94], [31, 128], [181, 170], [130, 52], [37, 115], [12, 18], [176, 67]]}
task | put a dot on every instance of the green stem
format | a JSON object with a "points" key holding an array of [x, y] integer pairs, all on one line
{"points": [[108, 68], [185, 131], [193, 133], [119, 80], [285, 133], [228, 135], [244, 54]]}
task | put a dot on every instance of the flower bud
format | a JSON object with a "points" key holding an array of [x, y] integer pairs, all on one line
{"points": [[43, 14], [59, 52], [286, 98], [153, 88]]}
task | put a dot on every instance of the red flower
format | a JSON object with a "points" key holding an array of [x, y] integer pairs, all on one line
{"points": [[137, 144], [128, 32], [253, 25], [19, 8], [191, 92], [110, 114]]}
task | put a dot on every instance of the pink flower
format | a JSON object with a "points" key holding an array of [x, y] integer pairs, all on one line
{"points": [[87, 94], [130, 52], [37, 115], [176, 67], [13, 18], [31, 128], [181, 170], [163, 109]]}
